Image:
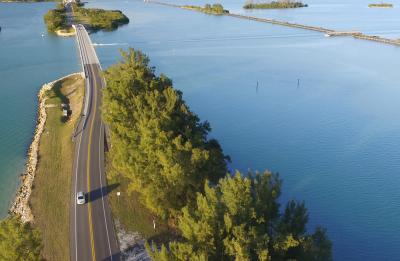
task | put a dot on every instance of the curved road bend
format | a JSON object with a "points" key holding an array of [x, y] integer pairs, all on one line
{"points": [[92, 232]]}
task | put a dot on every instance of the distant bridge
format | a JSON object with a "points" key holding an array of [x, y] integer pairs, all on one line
{"points": [[342, 33], [326, 31]]}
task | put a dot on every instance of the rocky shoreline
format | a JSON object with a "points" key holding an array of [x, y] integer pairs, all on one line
{"points": [[131, 245], [20, 206]]}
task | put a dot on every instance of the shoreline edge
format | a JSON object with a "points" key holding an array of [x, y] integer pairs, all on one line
{"points": [[20, 206]]}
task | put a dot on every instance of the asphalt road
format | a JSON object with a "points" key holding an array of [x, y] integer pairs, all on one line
{"points": [[92, 231]]}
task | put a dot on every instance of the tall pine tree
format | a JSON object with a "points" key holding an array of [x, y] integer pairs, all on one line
{"points": [[239, 219], [156, 141]]}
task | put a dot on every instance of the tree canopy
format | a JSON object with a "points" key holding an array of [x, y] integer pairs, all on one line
{"points": [[279, 4], [158, 143], [94, 18], [216, 9], [239, 219], [98, 19], [162, 148], [55, 19], [18, 241]]}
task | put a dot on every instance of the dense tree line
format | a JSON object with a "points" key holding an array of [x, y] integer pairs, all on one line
{"points": [[99, 19], [55, 19], [96, 19], [157, 142], [239, 219], [384, 5], [217, 9], [274, 5], [163, 149], [18, 241]]}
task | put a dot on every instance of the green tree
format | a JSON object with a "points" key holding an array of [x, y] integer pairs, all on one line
{"points": [[18, 241], [98, 19], [239, 219], [157, 142], [274, 5], [55, 19], [218, 8]]}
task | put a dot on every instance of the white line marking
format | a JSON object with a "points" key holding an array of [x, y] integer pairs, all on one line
{"points": [[82, 39], [77, 162], [102, 195], [76, 188]]}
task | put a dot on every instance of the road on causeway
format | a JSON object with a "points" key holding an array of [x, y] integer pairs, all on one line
{"points": [[92, 232]]}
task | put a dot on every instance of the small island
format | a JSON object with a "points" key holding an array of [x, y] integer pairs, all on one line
{"points": [[56, 20], [216, 9], [280, 4], [381, 5], [99, 19], [59, 20]]}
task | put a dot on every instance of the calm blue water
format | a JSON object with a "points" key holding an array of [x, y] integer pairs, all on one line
{"points": [[332, 14], [27, 60], [334, 138]]}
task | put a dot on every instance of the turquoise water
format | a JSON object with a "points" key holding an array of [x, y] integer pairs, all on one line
{"points": [[27, 61], [334, 138]]}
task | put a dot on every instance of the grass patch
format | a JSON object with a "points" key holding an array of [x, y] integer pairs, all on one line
{"points": [[50, 199], [134, 217]]}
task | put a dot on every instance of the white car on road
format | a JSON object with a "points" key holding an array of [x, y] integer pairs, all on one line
{"points": [[80, 198]]}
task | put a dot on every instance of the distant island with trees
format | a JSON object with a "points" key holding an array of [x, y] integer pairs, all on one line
{"points": [[216, 9], [280, 4], [56, 19], [381, 5], [99, 19], [94, 18]]}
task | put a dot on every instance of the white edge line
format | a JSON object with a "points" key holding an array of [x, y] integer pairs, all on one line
{"points": [[76, 188], [77, 159], [102, 195], [77, 164], [76, 170]]}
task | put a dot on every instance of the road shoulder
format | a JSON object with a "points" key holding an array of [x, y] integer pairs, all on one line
{"points": [[50, 200]]}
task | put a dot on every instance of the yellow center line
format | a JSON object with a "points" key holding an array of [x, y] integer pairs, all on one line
{"points": [[88, 176]]}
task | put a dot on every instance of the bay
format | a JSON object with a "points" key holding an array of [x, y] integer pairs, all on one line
{"points": [[334, 137], [324, 115], [27, 61]]}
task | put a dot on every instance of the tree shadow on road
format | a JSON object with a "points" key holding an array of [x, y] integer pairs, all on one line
{"points": [[116, 256], [101, 192]]}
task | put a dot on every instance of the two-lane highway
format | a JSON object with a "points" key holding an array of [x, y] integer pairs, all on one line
{"points": [[92, 231]]}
